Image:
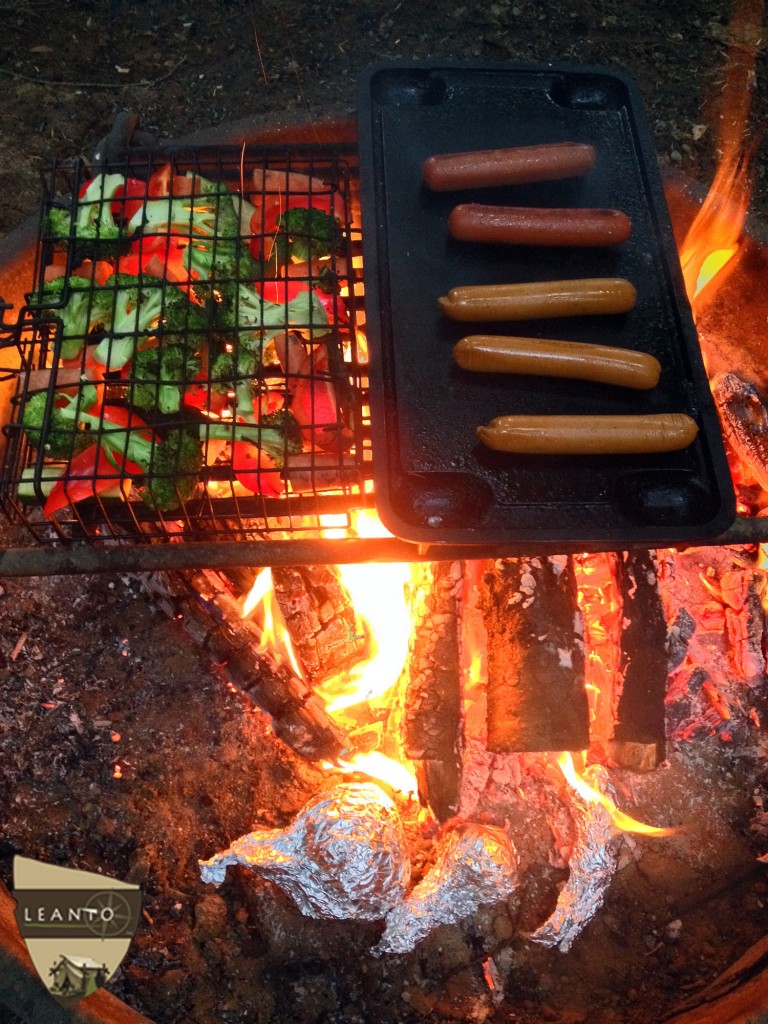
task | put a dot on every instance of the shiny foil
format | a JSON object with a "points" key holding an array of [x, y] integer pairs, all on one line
{"points": [[476, 866], [343, 857], [593, 864]]}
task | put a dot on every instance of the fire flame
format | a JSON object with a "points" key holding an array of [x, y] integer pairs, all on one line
{"points": [[621, 820], [377, 592], [274, 637], [379, 766], [713, 238]]}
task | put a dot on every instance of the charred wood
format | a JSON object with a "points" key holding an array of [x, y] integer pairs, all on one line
{"points": [[319, 617], [536, 695], [432, 714], [739, 994], [210, 613], [639, 732], [744, 418]]}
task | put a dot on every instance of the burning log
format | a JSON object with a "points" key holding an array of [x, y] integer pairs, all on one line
{"points": [[476, 866], [212, 616], [745, 423], [432, 715], [319, 616], [536, 696], [343, 857], [639, 731]]}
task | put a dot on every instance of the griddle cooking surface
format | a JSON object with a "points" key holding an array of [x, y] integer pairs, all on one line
{"points": [[434, 482]]}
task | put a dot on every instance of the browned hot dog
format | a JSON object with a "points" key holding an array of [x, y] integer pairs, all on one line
{"points": [[489, 353], [524, 225], [539, 299], [589, 435], [515, 166]]}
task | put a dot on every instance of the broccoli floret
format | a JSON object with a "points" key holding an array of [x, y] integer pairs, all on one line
{"points": [[183, 317], [90, 225], [83, 311], [135, 305], [173, 471], [160, 375], [278, 434], [230, 372], [309, 233], [244, 307], [62, 437]]}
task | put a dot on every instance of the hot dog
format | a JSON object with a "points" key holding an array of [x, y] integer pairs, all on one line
{"points": [[523, 225], [516, 166], [486, 353], [589, 435], [539, 299]]}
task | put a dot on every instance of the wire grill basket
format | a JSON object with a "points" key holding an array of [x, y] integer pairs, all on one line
{"points": [[191, 360]]}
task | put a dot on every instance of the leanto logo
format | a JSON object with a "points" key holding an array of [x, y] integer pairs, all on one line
{"points": [[77, 925]]}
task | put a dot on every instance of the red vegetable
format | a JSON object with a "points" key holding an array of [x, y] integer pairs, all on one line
{"points": [[89, 473], [255, 470]]}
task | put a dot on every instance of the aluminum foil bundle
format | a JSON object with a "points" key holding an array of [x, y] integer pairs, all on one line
{"points": [[592, 864], [343, 857], [476, 866]]}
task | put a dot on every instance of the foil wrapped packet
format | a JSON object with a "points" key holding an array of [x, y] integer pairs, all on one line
{"points": [[476, 866], [592, 865], [343, 857]]}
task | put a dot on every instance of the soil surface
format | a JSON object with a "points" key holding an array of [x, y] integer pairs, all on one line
{"points": [[121, 749], [69, 67]]}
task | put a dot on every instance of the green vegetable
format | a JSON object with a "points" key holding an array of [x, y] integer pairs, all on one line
{"points": [[160, 375], [84, 310], [277, 434], [90, 225], [307, 233]]}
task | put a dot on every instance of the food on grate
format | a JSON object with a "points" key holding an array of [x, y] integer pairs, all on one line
{"points": [[181, 322], [518, 165], [589, 435], [526, 225], [484, 353], [587, 296]]}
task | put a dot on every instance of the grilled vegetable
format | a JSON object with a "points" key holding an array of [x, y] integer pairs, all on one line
{"points": [[539, 299], [514, 166], [589, 435], [525, 225], [487, 353]]}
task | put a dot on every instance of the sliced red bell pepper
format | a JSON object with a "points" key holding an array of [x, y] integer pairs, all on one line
{"points": [[89, 473], [255, 470]]}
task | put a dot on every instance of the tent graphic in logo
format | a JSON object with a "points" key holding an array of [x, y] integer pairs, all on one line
{"points": [[77, 925]]}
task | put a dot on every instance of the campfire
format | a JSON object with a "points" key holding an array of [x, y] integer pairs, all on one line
{"points": [[488, 746]]}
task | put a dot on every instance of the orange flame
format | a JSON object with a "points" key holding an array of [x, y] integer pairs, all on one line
{"points": [[713, 238], [379, 766], [274, 636], [590, 795]]}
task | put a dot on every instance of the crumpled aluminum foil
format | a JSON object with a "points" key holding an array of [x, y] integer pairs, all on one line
{"points": [[476, 866], [593, 864], [344, 857]]}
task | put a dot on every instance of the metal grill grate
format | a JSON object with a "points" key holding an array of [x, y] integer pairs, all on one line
{"points": [[192, 356]]}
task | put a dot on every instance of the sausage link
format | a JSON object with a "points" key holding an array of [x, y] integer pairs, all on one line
{"points": [[539, 299], [525, 225], [589, 435], [518, 165], [604, 364]]}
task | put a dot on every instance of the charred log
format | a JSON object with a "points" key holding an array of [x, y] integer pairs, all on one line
{"points": [[210, 613], [536, 695], [638, 738], [319, 617], [744, 418], [432, 714]]}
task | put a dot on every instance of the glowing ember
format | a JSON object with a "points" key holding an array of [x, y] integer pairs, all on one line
{"points": [[589, 795]]}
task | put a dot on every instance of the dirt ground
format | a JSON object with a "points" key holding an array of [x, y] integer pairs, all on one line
{"points": [[94, 677]]}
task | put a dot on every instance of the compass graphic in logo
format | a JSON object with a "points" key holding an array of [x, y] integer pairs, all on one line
{"points": [[108, 914]]}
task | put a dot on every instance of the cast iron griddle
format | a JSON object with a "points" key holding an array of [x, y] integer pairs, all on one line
{"points": [[434, 482]]}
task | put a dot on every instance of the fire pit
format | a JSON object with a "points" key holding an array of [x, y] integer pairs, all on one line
{"points": [[602, 915]]}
